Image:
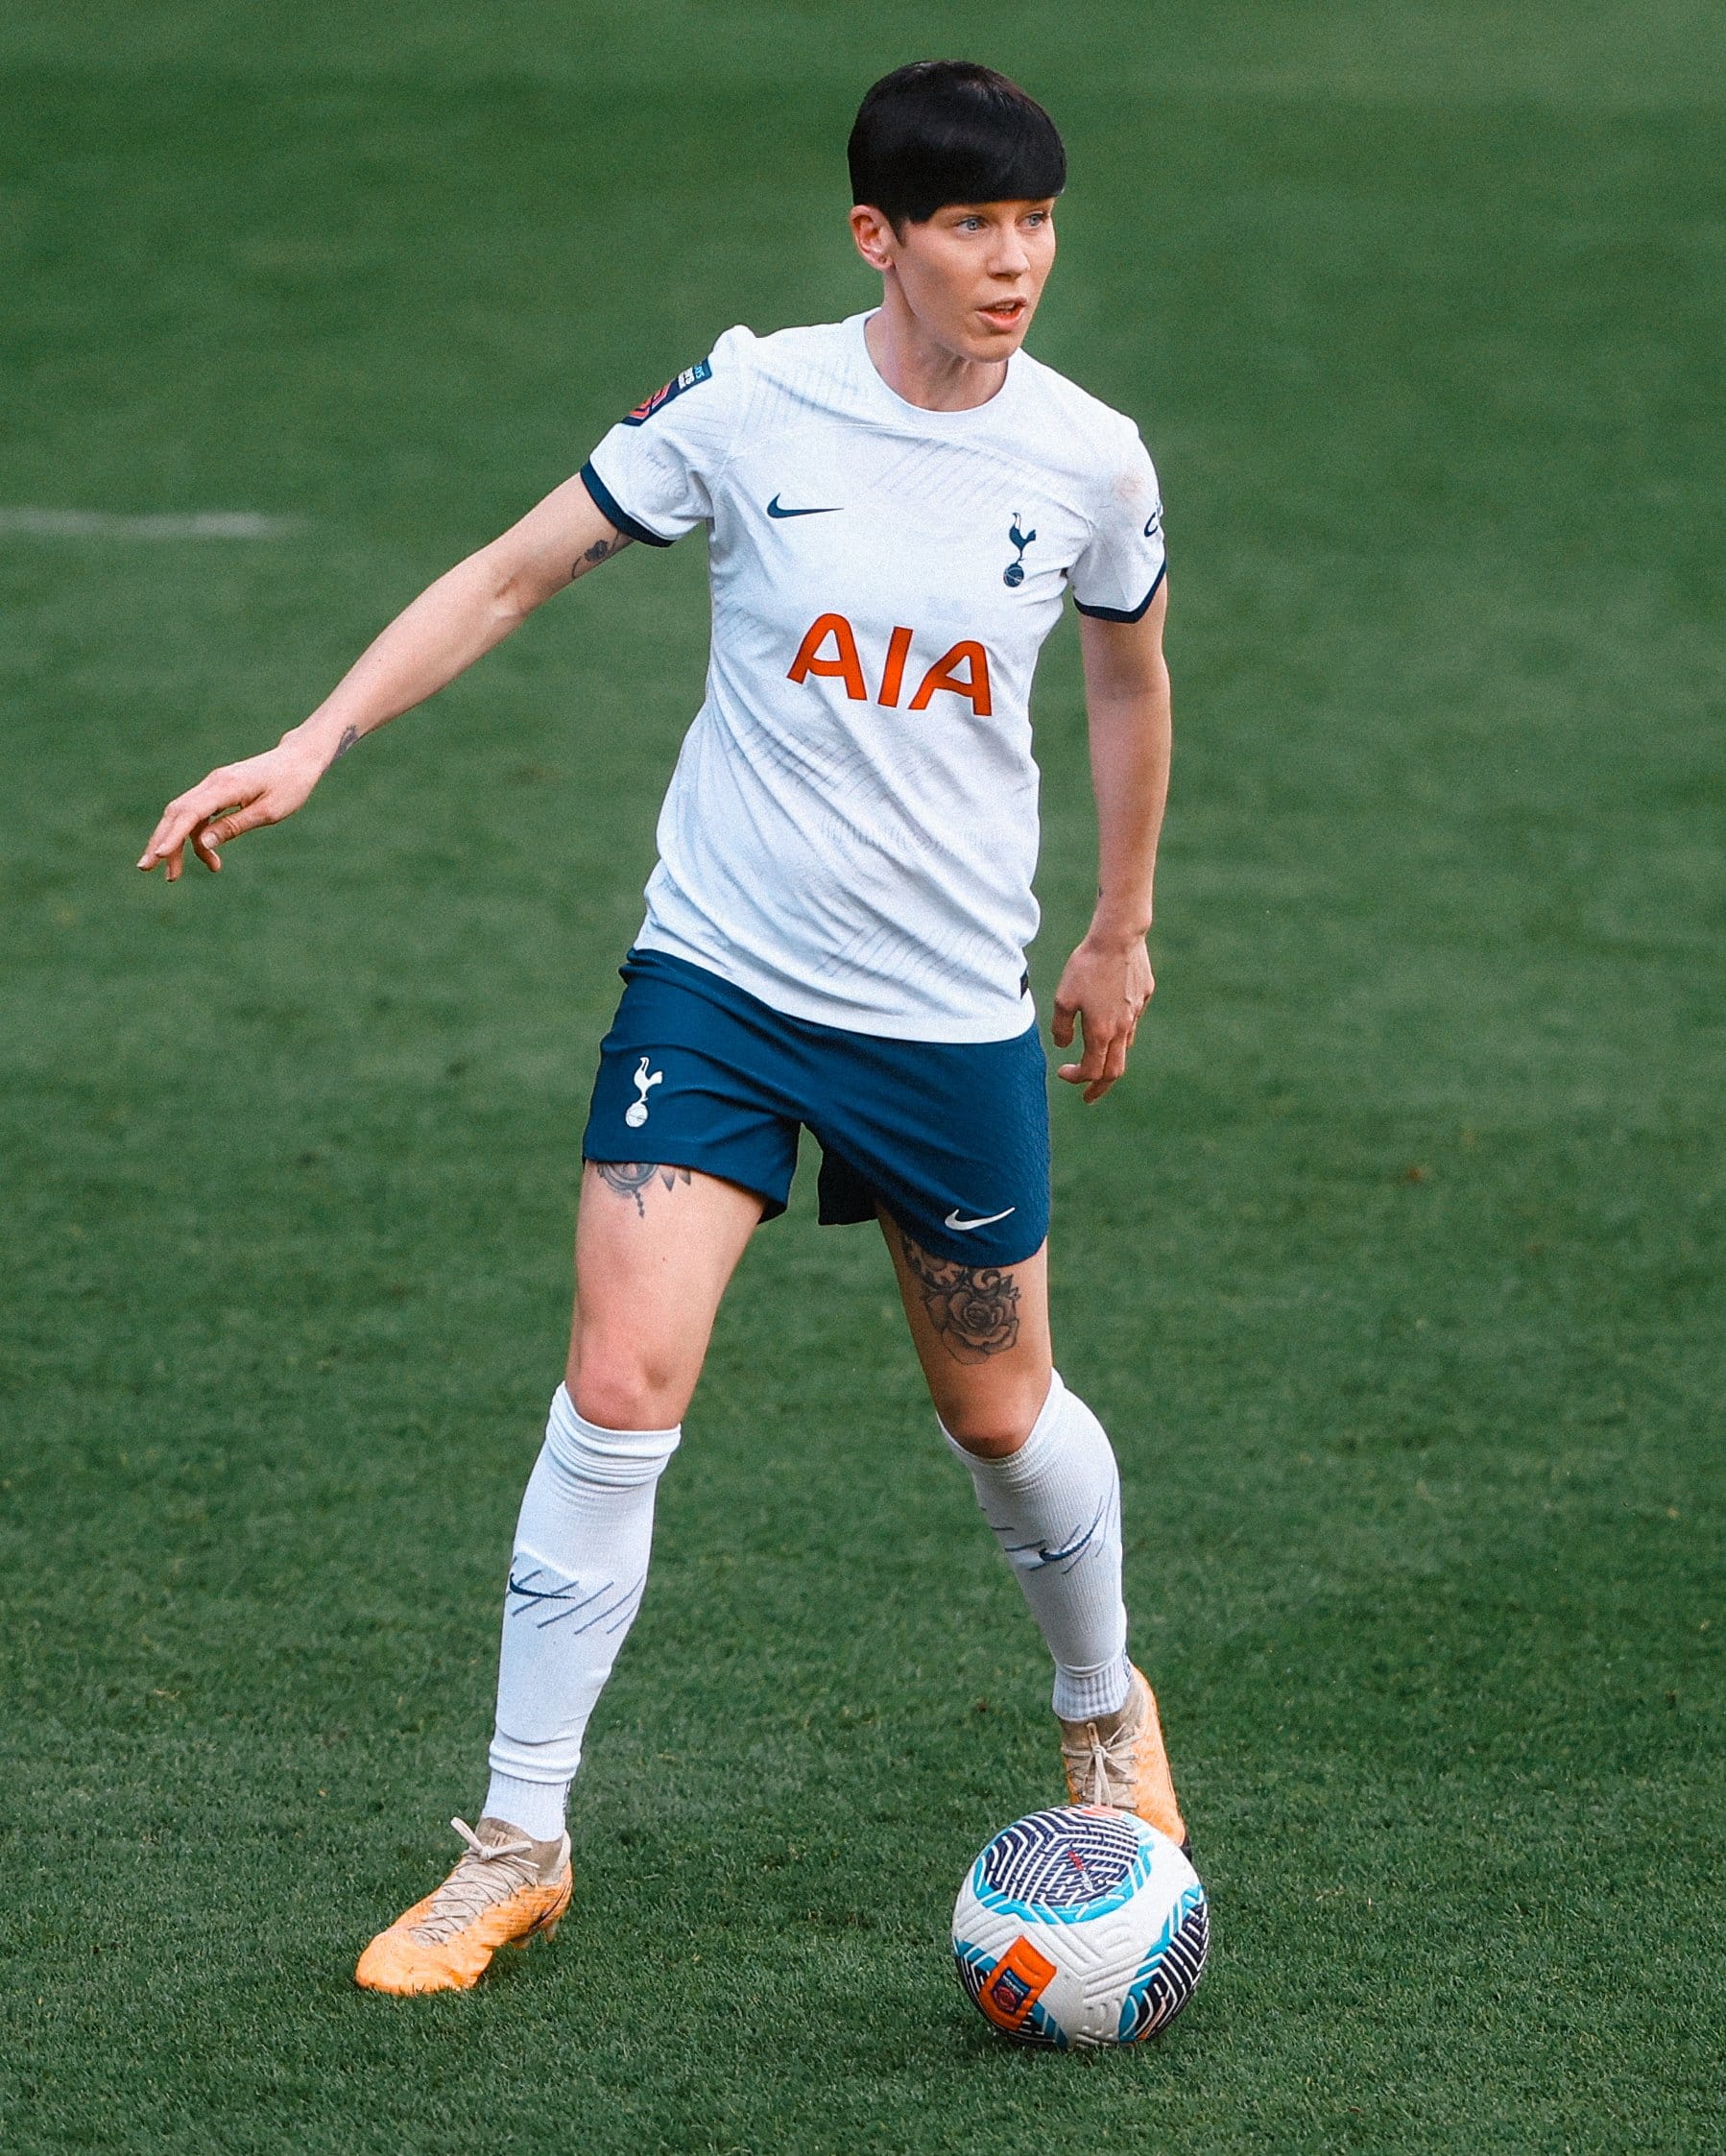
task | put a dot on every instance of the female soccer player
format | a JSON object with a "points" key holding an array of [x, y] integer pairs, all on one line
{"points": [[835, 930]]}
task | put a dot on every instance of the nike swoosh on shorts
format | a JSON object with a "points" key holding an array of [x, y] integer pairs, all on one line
{"points": [[988, 1220], [774, 509]]}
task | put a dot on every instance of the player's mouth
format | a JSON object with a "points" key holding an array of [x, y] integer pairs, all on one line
{"points": [[1005, 314]]}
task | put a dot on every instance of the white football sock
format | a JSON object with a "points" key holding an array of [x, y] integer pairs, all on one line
{"points": [[1055, 1508], [576, 1577]]}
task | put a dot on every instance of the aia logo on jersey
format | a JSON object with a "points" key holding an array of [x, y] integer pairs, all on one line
{"points": [[844, 662], [701, 371]]}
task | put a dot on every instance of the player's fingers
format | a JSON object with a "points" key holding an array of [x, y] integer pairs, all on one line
{"points": [[185, 813], [1114, 1066], [1100, 1041], [171, 848], [1060, 1025], [233, 821], [1115, 1056], [178, 822], [157, 845], [231, 824], [1090, 1065]]}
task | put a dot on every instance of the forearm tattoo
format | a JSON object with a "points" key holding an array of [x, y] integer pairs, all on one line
{"points": [[975, 1309], [350, 735], [631, 1179], [602, 550]]}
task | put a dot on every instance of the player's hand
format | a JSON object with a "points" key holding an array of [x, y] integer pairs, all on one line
{"points": [[235, 798], [1104, 989]]}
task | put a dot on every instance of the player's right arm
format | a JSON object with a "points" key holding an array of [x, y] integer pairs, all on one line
{"points": [[452, 623]]}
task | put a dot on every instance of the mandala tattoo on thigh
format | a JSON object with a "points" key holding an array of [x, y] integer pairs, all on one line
{"points": [[630, 1178], [975, 1309]]}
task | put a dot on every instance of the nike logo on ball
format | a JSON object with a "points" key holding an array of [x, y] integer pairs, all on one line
{"points": [[988, 1220], [774, 509]]}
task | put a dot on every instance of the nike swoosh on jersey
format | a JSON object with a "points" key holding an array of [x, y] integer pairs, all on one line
{"points": [[774, 509], [988, 1220]]}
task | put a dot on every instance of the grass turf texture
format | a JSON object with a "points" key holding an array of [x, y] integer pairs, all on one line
{"points": [[1389, 1268]]}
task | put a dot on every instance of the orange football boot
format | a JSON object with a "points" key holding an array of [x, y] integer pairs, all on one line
{"points": [[1128, 1770], [504, 1890]]}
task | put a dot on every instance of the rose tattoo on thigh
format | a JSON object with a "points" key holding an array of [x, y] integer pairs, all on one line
{"points": [[975, 1309]]}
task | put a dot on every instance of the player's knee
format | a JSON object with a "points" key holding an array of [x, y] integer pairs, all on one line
{"points": [[622, 1385], [994, 1429], [989, 1441]]}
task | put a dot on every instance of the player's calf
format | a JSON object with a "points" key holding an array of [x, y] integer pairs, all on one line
{"points": [[1054, 1505]]}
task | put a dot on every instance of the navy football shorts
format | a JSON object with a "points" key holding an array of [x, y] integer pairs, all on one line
{"points": [[951, 1138]]}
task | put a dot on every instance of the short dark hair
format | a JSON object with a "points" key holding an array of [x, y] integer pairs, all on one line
{"points": [[947, 131]]}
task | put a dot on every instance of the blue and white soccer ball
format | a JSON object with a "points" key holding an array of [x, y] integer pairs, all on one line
{"points": [[1079, 1926]]}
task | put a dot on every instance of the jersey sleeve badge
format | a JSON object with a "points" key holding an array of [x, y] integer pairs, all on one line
{"points": [[701, 371]]}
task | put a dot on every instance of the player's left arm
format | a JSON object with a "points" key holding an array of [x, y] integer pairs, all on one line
{"points": [[1107, 980]]}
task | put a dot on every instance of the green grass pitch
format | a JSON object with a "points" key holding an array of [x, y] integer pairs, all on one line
{"points": [[1394, 1269]]}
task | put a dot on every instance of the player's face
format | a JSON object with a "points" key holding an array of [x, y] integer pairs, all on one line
{"points": [[973, 273]]}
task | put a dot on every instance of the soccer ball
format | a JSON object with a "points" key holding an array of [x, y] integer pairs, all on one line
{"points": [[1079, 1926]]}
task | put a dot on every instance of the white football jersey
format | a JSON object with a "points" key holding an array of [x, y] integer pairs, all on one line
{"points": [[852, 829]]}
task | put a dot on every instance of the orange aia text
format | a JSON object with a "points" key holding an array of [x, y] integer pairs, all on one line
{"points": [[830, 648]]}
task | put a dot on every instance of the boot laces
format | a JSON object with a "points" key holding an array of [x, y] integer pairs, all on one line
{"points": [[489, 1872], [1105, 1769]]}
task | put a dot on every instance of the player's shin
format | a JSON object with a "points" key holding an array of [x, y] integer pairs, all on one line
{"points": [[576, 1579], [1055, 1509]]}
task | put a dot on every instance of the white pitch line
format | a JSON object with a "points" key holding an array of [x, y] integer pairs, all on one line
{"points": [[100, 523]]}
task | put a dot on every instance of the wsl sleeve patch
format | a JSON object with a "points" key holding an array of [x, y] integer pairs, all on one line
{"points": [[701, 371]]}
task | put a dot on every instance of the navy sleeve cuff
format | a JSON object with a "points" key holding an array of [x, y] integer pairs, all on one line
{"points": [[606, 502], [1102, 614]]}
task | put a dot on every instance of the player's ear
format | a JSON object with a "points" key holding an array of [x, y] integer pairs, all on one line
{"points": [[873, 235]]}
